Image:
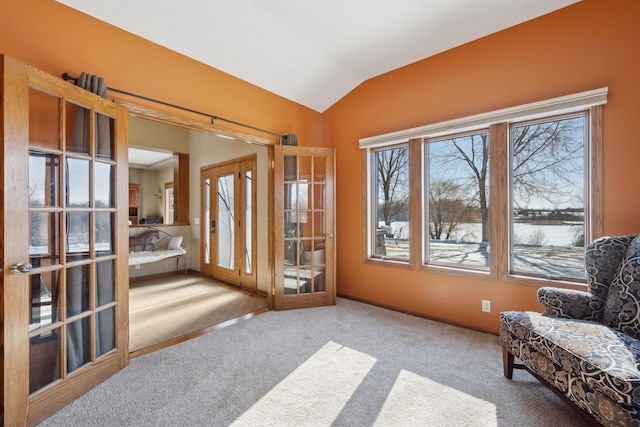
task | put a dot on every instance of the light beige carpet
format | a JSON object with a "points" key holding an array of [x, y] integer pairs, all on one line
{"points": [[349, 365], [168, 308]]}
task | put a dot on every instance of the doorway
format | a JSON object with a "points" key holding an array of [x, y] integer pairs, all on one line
{"points": [[229, 227]]}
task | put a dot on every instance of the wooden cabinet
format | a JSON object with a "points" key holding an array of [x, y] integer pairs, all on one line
{"points": [[134, 204]]}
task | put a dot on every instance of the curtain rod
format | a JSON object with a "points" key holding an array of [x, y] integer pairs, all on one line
{"points": [[67, 77]]}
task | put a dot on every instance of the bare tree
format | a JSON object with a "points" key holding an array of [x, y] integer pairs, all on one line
{"points": [[447, 208], [473, 152], [546, 158], [393, 183]]}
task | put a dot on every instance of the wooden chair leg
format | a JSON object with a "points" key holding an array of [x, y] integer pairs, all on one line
{"points": [[507, 362]]}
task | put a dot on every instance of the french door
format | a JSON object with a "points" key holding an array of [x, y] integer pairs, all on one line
{"points": [[304, 214], [64, 283], [229, 225]]}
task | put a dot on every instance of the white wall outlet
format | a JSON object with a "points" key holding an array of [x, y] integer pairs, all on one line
{"points": [[196, 221], [486, 306]]}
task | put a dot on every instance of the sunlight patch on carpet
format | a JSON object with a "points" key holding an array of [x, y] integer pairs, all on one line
{"points": [[315, 392], [416, 400]]}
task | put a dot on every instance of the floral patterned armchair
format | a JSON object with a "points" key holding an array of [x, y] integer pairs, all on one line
{"points": [[586, 344]]}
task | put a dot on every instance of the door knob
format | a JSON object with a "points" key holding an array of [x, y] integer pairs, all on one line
{"points": [[330, 235], [21, 267]]}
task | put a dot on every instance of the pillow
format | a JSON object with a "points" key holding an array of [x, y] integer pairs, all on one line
{"points": [[622, 306], [175, 243]]}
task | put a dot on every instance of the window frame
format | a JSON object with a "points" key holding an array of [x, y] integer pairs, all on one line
{"points": [[498, 123], [425, 196]]}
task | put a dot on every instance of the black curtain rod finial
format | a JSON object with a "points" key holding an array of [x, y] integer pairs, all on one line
{"points": [[66, 77]]}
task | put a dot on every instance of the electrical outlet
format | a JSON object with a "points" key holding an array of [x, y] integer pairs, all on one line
{"points": [[486, 306], [137, 267]]}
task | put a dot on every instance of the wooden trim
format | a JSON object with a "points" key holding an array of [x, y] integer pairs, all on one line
{"points": [[499, 205], [366, 200], [271, 228], [596, 177], [207, 127], [415, 208], [181, 188]]}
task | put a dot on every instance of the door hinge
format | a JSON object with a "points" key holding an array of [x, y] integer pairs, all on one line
{"points": [[273, 291]]}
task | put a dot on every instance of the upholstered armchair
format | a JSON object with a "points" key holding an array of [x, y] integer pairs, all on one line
{"points": [[585, 345]]}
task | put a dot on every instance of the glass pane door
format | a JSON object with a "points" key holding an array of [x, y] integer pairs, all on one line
{"points": [[64, 280], [304, 232]]}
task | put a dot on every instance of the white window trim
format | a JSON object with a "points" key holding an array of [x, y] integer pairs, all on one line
{"points": [[560, 105]]}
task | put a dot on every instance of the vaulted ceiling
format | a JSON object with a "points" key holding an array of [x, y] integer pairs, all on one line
{"points": [[312, 52]]}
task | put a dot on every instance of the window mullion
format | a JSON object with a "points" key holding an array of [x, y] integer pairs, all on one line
{"points": [[415, 208], [499, 200]]}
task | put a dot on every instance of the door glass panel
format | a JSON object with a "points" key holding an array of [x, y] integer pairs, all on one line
{"points": [[77, 128], [207, 221], [248, 221], [290, 168], [305, 281], [105, 137], [225, 230], [105, 328], [318, 196], [290, 281], [43, 179], [77, 290], [103, 184], [44, 356], [44, 299], [43, 230], [104, 222], [318, 224], [78, 343], [105, 282], [77, 183], [44, 119], [77, 235], [304, 171], [319, 169], [319, 284]]}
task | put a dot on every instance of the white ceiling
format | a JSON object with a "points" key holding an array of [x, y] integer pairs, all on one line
{"points": [[312, 52]]}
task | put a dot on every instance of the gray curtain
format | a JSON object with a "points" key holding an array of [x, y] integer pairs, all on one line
{"points": [[78, 333]]}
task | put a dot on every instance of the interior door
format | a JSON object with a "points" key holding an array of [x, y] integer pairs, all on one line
{"points": [[64, 242], [304, 227], [229, 205]]}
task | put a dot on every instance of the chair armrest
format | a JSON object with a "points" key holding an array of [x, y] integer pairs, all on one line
{"points": [[567, 303]]}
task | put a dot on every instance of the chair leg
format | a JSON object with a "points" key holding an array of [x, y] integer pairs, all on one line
{"points": [[507, 362]]}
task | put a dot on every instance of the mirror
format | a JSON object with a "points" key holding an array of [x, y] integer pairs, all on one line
{"points": [[158, 174]]}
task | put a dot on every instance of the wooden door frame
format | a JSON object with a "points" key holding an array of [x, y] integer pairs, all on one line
{"points": [[248, 282], [166, 117]]}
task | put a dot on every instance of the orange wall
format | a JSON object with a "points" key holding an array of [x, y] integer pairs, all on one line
{"points": [[591, 44], [56, 38], [585, 46]]}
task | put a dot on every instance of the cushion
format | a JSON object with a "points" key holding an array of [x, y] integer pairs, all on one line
{"points": [[622, 306], [603, 358], [174, 243]]}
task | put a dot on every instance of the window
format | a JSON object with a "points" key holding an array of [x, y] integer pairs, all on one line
{"points": [[547, 197], [390, 210], [457, 196], [435, 202]]}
